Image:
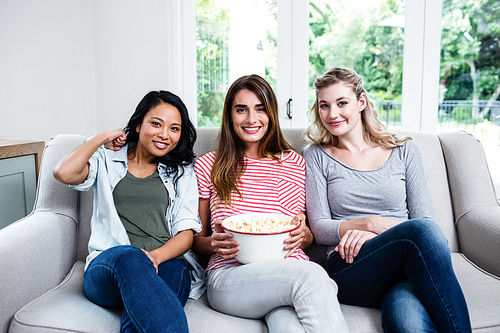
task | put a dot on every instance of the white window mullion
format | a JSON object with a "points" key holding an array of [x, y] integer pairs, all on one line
{"points": [[181, 60], [293, 61], [421, 65]]}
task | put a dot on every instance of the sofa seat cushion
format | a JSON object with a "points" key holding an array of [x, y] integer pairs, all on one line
{"points": [[66, 308], [203, 319], [482, 294]]}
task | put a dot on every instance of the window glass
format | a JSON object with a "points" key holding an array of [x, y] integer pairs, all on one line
{"points": [[469, 96], [233, 38], [367, 36]]}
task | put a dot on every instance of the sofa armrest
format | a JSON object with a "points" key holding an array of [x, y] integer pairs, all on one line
{"points": [[470, 182], [36, 253], [475, 207], [479, 235]]}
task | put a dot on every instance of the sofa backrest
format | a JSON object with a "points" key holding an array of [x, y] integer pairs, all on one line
{"points": [[53, 196], [432, 155], [208, 139]]}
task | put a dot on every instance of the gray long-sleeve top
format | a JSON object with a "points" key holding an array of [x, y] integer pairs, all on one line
{"points": [[336, 192]]}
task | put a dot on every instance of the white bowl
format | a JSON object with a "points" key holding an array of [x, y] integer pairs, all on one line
{"points": [[259, 246]]}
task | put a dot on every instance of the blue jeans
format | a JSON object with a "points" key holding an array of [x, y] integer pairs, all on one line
{"points": [[417, 251], [402, 311], [125, 276]]}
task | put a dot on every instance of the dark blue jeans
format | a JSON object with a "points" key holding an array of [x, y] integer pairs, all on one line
{"points": [[415, 251], [125, 276]]}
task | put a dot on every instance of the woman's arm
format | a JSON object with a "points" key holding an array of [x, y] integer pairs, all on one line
{"points": [[208, 242], [302, 236], [173, 248], [73, 169], [355, 232], [418, 199], [374, 224], [348, 235], [185, 210], [201, 242], [323, 227]]}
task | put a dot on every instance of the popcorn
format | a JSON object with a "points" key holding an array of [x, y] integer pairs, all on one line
{"points": [[259, 225]]}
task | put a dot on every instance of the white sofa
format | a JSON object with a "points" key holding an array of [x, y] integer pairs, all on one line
{"points": [[42, 255]]}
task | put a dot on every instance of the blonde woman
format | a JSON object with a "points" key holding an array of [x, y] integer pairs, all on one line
{"points": [[367, 199], [254, 170]]}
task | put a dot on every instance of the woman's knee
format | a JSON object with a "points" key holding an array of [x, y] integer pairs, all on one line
{"points": [[425, 232], [313, 276], [126, 257], [284, 319]]}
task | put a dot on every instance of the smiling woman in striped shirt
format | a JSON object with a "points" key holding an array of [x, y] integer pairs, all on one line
{"points": [[254, 170]]}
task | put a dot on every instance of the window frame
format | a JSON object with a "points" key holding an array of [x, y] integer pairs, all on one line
{"points": [[293, 62], [181, 56], [421, 60]]}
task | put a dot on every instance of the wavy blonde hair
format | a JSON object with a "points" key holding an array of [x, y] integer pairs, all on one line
{"points": [[374, 131], [229, 163]]}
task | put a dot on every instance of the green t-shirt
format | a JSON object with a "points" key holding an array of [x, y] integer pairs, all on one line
{"points": [[142, 206]]}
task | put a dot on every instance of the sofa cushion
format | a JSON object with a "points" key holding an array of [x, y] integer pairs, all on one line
{"points": [[202, 319], [53, 196], [482, 294], [66, 308]]}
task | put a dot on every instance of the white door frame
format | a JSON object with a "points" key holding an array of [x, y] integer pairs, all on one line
{"points": [[421, 63]]}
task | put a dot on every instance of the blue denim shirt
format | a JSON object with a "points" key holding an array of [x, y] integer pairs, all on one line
{"points": [[107, 168]]}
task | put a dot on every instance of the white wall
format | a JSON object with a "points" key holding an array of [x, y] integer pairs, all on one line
{"points": [[82, 66], [46, 69], [130, 51]]}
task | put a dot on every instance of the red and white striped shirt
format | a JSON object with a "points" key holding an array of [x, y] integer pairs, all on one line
{"points": [[267, 186]]}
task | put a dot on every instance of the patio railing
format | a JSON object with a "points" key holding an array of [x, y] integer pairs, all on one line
{"points": [[450, 114]]}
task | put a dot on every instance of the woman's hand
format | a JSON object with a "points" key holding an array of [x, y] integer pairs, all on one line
{"points": [[116, 139], [297, 236], [351, 243], [73, 168], [223, 247], [152, 258]]}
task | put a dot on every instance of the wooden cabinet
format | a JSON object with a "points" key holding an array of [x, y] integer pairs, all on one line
{"points": [[19, 166]]}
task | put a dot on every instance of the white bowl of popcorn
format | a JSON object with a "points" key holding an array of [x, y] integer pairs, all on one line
{"points": [[261, 235]]}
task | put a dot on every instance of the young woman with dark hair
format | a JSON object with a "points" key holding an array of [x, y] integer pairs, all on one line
{"points": [[255, 170], [182, 154], [145, 215]]}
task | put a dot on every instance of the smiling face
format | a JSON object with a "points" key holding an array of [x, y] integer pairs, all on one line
{"points": [[340, 110], [249, 117], [160, 131]]}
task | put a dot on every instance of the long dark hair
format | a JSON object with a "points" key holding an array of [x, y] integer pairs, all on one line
{"points": [[182, 154], [229, 164]]}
